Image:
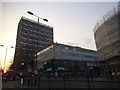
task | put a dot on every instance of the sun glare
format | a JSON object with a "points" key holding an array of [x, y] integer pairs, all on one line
{"points": [[5, 64]]}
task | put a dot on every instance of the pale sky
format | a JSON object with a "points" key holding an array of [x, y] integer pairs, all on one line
{"points": [[73, 22]]}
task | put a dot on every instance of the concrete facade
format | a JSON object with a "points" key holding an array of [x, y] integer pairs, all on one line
{"points": [[31, 38], [107, 38], [71, 59]]}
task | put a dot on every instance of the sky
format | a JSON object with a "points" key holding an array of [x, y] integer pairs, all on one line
{"points": [[73, 22]]}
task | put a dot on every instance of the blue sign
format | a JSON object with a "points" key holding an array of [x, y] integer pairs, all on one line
{"points": [[61, 68], [49, 69]]}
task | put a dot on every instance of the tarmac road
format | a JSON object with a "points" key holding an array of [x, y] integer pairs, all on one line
{"points": [[9, 84], [61, 84]]}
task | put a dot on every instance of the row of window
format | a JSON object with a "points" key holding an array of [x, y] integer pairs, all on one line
{"points": [[28, 54], [38, 33], [38, 30], [28, 42], [40, 38], [26, 35], [35, 25], [35, 44], [78, 49], [78, 55], [88, 57], [29, 49]]}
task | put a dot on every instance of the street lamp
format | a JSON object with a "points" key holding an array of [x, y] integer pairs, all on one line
{"points": [[29, 12], [6, 53]]}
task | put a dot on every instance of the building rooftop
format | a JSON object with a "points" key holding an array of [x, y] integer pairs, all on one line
{"points": [[36, 22], [76, 48]]}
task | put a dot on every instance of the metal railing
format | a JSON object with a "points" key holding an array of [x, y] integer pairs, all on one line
{"points": [[106, 17]]}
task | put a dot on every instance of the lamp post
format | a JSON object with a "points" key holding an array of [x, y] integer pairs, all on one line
{"points": [[6, 53], [29, 12], [87, 72]]}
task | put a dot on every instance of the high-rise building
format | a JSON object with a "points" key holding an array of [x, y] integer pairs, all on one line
{"points": [[31, 38]]}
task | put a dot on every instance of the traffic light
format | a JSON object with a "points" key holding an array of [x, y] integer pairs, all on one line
{"points": [[23, 63]]}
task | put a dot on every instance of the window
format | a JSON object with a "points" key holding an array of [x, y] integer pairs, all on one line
{"points": [[74, 49], [66, 48]]}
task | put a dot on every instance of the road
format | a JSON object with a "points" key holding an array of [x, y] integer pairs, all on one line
{"points": [[64, 84], [10, 84]]}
